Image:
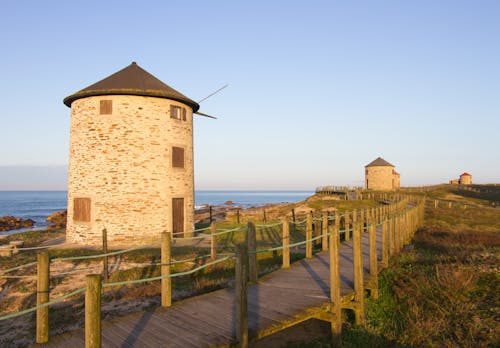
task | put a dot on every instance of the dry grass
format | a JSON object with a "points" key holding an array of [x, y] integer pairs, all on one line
{"points": [[445, 290]]}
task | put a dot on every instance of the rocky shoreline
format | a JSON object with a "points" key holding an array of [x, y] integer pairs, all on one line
{"points": [[9, 223]]}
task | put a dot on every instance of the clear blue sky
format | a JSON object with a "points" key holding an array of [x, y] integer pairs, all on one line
{"points": [[317, 89]]}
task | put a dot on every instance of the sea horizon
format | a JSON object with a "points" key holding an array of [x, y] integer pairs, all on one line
{"points": [[37, 205]]}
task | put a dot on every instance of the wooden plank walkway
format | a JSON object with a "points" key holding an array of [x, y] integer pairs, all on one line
{"points": [[281, 299]]}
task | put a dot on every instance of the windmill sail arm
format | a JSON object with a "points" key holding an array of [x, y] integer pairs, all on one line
{"points": [[213, 93], [202, 114]]}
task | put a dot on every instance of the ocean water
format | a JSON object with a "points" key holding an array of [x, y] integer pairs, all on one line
{"points": [[37, 205], [249, 198], [34, 205]]}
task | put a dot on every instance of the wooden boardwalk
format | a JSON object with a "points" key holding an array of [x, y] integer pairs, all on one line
{"points": [[281, 299]]}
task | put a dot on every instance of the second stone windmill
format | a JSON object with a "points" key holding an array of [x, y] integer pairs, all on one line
{"points": [[130, 160]]}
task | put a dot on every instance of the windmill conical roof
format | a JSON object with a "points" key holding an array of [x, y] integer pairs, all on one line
{"points": [[132, 80], [379, 162]]}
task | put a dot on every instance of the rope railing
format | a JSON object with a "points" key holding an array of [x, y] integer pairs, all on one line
{"points": [[208, 235], [18, 267], [85, 257], [37, 248], [268, 225], [18, 277], [194, 231], [105, 285], [299, 222], [173, 275], [288, 246], [113, 253], [46, 304]]}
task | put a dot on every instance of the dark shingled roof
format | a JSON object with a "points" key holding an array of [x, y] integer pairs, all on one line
{"points": [[132, 80], [379, 162]]}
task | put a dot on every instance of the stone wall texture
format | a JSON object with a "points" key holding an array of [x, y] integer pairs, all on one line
{"points": [[397, 181], [123, 163], [380, 178], [465, 180]]}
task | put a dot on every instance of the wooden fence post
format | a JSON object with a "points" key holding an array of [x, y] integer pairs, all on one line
{"points": [[372, 230], [399, 231], [385, 244], [347, 223], [324, 233], [42, 296], [213, 241], [392, 226], [252, 256], [286, 243], [293, 215], [309, 233], [336, 310], [105, 274], [241, 295], [396, 233], [362, 220], [404, 229], [264, 215], [93, 311], [210, 213], [166, 259], [407, 227], [359, 312], [238, 216], [317, 229]]}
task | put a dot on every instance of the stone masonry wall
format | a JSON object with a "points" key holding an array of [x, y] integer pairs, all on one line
{"points": [[379, 178], [123, 163], [465, 180], [397, 181]]}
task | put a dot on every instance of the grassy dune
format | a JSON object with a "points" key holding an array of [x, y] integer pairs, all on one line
{"points": [[444, 289]]}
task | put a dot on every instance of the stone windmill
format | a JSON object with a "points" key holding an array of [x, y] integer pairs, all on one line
{"points": [[130, 160]]}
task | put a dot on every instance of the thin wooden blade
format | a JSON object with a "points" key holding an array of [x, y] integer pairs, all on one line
{"points": [[211, 94], [202, 114]]}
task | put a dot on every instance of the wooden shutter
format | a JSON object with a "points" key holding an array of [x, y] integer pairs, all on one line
{"points": [[178, 216], [106, 107], [81, 209], [177, 157], [175, 112], [184, 114]]}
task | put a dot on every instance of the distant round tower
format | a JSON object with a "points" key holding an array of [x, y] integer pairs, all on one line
{"points": [[130, 160], [465, 179], [380, 175]]}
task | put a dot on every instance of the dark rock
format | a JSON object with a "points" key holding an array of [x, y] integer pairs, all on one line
{"points": [[229, 203], [8, 223], [57, 220]]}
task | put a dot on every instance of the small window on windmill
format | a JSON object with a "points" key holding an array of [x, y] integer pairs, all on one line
{"points": [[178, 113], [175, 112], [106, 107], [177, 157], [81, 209]]}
